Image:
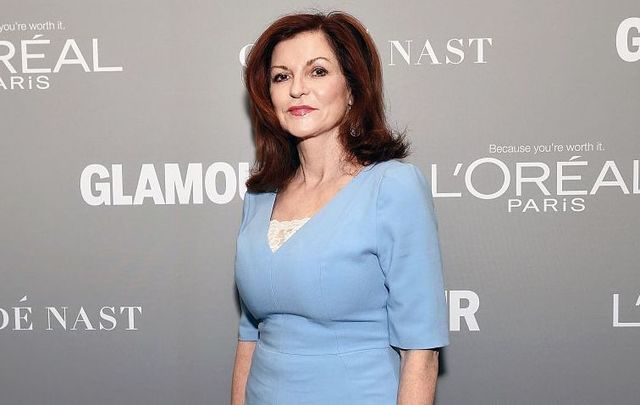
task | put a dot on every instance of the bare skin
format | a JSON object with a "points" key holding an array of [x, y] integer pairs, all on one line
{"points": [[418, 376], [244, 354]]}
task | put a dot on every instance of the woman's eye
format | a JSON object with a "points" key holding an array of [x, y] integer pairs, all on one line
{"points": [[276, 78], [320, 71]]}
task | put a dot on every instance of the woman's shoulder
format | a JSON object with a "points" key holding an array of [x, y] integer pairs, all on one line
{"points": [[399, 170], [256, 198], [401, 180]]}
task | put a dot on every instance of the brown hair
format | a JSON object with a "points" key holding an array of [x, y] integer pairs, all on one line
{"points": [[277, 156]]}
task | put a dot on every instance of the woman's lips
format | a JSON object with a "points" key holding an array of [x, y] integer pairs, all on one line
{"points": [[301, 111]]}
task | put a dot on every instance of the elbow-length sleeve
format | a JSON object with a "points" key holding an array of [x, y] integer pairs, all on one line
{"points": [[247, 324], [409, 255]]}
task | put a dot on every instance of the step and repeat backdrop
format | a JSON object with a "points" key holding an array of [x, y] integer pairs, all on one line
{"points": [[125, 143]]}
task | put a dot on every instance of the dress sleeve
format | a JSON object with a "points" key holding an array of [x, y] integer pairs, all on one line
{"points": [[409, 255], [247, 325]]}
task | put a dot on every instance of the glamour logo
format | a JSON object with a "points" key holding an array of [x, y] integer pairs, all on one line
{"points": [[101, 186], [616, 314], [30, 77], [565, 178], [458, 312], [64, 318], [454, 52], [628, 39]]}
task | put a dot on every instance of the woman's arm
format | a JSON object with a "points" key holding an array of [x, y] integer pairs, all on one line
{"points": [[244, 354], [418, 375]]}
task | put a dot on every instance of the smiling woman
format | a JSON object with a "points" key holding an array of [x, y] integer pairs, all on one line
{"points": [[308, 89], [346, 304], [281, 73]]}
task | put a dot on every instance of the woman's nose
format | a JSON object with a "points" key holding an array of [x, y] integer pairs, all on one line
{"points": [[298, 86]]}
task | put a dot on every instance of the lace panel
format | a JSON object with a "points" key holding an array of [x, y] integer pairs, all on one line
{"points": [[280, 231]]}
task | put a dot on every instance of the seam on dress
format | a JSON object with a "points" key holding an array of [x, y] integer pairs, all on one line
{"points": [[322, 354], [324, 306], [378, 215], [274, 296], [348, 374]]}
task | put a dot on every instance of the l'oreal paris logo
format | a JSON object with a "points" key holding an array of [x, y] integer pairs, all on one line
{"points": [[535, 177], [30, 61]]}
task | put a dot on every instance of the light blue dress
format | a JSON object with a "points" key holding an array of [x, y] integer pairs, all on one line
{"points": [[362, 275]]}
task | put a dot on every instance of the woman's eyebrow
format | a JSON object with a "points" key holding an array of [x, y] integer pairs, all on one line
{"points": [[309, 62]]}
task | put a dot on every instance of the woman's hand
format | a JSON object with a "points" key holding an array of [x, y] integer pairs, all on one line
{"points": [[418, 375]]}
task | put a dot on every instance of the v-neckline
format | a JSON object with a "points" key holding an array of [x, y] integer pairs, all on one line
{"points": [[313, 218]]}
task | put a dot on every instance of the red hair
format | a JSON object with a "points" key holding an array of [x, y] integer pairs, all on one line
{"points": [[277, 156]]}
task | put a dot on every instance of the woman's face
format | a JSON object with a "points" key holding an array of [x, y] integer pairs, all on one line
{"points": [[306, 72]]}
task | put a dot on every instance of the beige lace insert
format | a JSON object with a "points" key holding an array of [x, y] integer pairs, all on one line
{"points": [[280, 231]]}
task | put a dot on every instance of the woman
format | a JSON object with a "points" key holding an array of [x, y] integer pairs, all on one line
{"points": [[338, 264]]}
